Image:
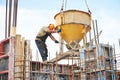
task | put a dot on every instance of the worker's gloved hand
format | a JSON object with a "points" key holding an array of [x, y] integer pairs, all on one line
{"points": [[59, 30], [56, 41]]}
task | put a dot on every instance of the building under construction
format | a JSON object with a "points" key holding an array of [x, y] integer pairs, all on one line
{"points": [[90, 60]]}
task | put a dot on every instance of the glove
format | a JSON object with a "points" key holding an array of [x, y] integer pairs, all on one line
{"points": [[59, 30], [56, 41]]}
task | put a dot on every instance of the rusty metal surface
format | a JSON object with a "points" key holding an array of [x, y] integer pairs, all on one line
{"points": [[3, 47], [4, 76], [3, 64]]}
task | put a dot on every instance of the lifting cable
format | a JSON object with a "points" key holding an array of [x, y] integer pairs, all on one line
{"points": [[62, 9], [88, 7], [64, 3]]}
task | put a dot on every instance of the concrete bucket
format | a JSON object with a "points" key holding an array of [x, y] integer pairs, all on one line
{"points": [[74, 24]]}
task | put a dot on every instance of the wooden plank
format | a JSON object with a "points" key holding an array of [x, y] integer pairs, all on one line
{"points": [[63, 56], [18, 50], [23, 48], [17, 66], [23, 52], [13, 31], [27, 59]]}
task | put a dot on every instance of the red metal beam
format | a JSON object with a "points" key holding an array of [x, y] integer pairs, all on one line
{"points": [[3, 56], [4, 40], [2, 43], [4, 72]]}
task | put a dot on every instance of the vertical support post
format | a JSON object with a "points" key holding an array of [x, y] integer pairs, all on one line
{"points": [[60, 38], [91, 43], [85, 36], [97, 48], [111, 62], [23, 54], [115, 62], [12, 42], [97, 31], [104, 60], [56, 67], [72, 70], [11, 58], [6, 19], [13, 31], [119, 42], [9, 21], [85, 61], [61, 44], [27, 59], [18, 63]]}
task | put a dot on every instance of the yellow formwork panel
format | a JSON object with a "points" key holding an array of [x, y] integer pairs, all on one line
{"points": [[73, 32]]}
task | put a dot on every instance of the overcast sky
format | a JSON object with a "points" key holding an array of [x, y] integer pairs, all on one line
{"points": [[33, 14]]}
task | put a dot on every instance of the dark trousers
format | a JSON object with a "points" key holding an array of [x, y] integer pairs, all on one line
{"points": [[42, 49]]}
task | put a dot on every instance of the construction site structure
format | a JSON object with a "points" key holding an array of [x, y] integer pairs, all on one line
{"points": [[90, 60], [87, 62], [89, 65]]}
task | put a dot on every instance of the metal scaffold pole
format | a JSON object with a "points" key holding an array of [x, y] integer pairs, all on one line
{"points": [[115, 62], [12, 39], [9, 19], [6, 19], [119, 42], [97, 48]]}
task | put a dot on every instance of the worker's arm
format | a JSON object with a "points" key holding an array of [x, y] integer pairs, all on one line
{"points": [[54, 31], [51, 36]]}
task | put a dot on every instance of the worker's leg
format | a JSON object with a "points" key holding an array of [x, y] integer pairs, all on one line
{"points": [[44, 55], [42, 49]]}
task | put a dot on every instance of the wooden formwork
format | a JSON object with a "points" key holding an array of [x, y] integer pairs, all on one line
{"points": [[19, 68], [4, 59], [52, 71], [15, 58], [21, 56]]}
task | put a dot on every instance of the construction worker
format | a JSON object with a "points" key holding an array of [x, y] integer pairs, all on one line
{"points": [[41, 39]]}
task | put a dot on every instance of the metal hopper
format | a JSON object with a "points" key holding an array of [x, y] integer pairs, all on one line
{"points": [[74, 24]]}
